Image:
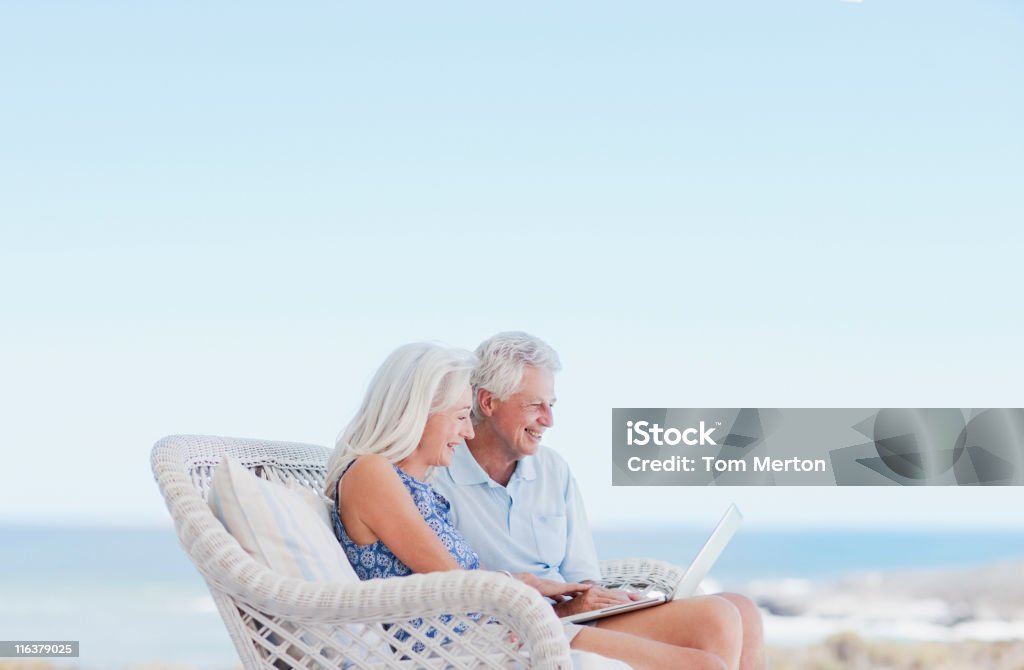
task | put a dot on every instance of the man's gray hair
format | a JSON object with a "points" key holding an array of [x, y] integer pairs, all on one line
{"points": [[502, 360]]}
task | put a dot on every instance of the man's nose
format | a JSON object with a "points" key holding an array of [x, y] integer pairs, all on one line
{"points": [[547, 416]]}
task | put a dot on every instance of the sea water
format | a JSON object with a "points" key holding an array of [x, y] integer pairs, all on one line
{"points": [[131, 597]]}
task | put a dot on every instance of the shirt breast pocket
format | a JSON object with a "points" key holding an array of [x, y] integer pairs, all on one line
{"points": [[549, 534]]}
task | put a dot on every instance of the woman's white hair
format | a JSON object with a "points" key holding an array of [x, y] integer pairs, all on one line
{"points": [[502, 360], [415, 381]]}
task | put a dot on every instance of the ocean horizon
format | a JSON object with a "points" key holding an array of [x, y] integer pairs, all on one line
{"points": [[131, 597]]}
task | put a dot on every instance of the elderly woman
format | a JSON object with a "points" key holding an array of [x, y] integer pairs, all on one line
{"points": [[391, 522]]}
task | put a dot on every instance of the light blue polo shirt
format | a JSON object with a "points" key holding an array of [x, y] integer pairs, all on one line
{"points": [[536, 524]]}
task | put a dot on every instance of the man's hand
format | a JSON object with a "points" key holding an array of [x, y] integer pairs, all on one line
{"points": [[595, 598], [552, 589]]}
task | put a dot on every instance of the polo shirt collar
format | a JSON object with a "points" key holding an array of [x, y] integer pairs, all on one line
{"points": [[466, 471], [526, 469]]}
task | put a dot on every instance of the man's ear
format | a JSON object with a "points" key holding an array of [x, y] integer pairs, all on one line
{"points": [[485, 401]]}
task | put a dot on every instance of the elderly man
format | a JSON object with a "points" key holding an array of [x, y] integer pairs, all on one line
{"points": [[519, 506]]}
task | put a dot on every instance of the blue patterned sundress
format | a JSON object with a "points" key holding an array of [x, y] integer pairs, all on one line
{"points": [[376, 561]]}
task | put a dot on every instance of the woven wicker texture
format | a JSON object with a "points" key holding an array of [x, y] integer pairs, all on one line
{"points": [[278, 622]]}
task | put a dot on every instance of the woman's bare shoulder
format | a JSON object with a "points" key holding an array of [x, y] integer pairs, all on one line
{"points": [[369, 471]]}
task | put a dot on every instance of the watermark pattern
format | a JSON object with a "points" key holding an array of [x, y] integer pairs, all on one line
{"points": [[817, 447]]}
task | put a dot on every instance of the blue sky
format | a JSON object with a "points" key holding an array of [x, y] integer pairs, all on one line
{"points": [[221, 218]]}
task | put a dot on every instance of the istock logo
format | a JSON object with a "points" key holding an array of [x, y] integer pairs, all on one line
{"points": [[651, 433]]}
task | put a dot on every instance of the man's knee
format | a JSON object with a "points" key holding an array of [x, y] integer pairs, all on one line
{"points": [[748, 609], [721, 627], [703, 661], [726, 616]]}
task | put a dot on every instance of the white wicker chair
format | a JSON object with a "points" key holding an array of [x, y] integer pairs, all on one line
{"points": [[277, 622]]}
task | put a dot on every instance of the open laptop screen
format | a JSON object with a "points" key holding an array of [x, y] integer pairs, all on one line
{"points": [[691, 579]]}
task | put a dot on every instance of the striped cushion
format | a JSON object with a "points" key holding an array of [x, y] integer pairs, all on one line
{"points": [[289, 532], [321, 505], [277, 526]]}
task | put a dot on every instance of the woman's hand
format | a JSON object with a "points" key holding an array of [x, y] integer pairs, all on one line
{"points": [[552, 589]]}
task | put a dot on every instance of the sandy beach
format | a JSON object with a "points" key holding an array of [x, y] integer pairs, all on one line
{"points": [[982, 604], [850, 652]]}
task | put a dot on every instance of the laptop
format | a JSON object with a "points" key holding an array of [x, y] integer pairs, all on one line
{"points": [[688, 583]]}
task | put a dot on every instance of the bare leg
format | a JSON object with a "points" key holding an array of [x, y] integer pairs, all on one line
{"points": [[707, 623], [752, 656], [644, 654]]}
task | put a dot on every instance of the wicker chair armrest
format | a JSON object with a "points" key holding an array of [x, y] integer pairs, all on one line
{"points": [[511, 615], [383, 600]]}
